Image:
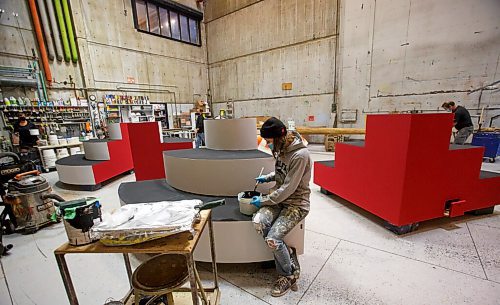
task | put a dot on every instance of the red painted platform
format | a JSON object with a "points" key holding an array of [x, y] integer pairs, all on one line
{"points": [[147, 149], [406, 170], [120, 158]]}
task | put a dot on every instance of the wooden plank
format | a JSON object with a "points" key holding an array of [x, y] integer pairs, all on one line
{"points": [[324, 130], [178, 243]]}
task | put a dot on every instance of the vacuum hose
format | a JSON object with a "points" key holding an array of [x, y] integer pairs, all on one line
{"points": [[53, 196], [10, 154]]}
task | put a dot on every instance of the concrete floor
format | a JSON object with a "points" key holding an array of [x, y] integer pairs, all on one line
{"points": [[349, 259]]}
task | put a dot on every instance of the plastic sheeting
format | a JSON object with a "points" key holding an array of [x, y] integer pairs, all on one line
{"points": [[137, 223]]}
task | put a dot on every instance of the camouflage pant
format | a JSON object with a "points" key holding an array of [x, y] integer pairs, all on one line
{"points": [[274, 223], [463, 134]]}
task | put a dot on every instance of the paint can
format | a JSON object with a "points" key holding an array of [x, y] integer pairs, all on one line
{"points": [[79, 216], [244, 199]]}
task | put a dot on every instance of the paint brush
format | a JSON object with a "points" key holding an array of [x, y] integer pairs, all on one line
{"points": [[257, 183]]}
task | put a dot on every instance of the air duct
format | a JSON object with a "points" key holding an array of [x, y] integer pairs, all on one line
{"points": [[55, 29], [39, 38], [46, 29], [62, 28], [69, 27]]}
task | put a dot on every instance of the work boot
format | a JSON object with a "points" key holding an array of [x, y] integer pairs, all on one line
{"points": [[295, 262], [282, 285]]}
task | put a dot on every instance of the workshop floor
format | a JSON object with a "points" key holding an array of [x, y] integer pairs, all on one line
{"points": [[349, 259]]}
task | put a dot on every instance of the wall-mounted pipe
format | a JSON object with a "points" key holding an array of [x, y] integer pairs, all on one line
{"points": [[46, 29], [55, 29], [41, 43], [69, 27], [15, 82], [62, 29]]}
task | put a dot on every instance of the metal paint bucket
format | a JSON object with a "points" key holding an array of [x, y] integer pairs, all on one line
{"points": [[79, 216], [244, 199]]}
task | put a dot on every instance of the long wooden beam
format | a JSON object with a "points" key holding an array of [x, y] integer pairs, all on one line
{"points": [[325, 131]]}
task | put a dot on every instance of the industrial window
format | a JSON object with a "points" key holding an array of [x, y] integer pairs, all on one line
{"points": [[168, 19]]}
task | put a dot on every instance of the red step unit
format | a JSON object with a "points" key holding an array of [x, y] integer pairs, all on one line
{"points": [[406, 171], [120, 158], [104, 159], [147, 146]]}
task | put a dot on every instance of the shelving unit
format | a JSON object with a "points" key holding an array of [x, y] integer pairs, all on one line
{"points": [[46, 114], [126, 108], [113, 114], [160, 113], [65, 120], [45, 147]]}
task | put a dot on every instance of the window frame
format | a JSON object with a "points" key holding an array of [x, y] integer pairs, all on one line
{"points": [[180, 9]]}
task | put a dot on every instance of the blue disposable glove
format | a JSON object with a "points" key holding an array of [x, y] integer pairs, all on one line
{"points": [[261, 179], [256, 201]]}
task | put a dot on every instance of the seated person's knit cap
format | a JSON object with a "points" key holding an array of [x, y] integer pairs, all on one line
{"points": [[272, 128]]}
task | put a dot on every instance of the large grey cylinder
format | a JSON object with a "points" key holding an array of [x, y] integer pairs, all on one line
{"points": [[96, 150], [216, 173], [234, 134], [115, 131]]}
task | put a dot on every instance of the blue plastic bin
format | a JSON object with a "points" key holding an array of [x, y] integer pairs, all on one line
{"points": [[490, 141]]}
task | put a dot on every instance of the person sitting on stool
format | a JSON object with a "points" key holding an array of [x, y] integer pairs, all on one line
{"points": [[286, 206], [463, 122]]}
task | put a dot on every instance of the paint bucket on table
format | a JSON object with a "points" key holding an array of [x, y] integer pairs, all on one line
{"points": [[79, 216]]}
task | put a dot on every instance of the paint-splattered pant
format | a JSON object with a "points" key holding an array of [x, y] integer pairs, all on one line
{"points": [[274, 223]]}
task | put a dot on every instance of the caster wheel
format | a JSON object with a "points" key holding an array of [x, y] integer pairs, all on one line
{"points": [[325, 192], [400, 230], [484, 211]]}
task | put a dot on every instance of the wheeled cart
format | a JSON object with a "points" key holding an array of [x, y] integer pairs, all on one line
{"points": [[491, 143]]}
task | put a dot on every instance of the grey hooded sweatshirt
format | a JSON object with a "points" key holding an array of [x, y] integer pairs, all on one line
{"points": [[292, 175]]}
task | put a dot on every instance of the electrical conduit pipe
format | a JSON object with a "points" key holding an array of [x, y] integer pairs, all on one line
{"points": [[46, 29], [69, 26], [41, 43], [55, 29], [62, 28]]}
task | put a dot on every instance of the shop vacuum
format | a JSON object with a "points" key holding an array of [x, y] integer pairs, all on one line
{"points": [[27, 197]]}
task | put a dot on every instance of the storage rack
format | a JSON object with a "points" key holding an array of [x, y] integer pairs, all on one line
{"points": [[46, 115], [45, 147], [127, 108]]}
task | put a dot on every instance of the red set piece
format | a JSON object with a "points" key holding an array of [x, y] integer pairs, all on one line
{"points": [[406, 171], [120, 158], [147, 150]]}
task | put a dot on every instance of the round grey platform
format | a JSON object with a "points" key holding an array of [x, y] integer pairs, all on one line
{"points": [[77, 160], [203, 153], [231, 134], [216, 172], [159, 190]]}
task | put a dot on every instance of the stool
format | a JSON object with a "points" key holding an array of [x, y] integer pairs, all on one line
{"points": [[159, 276]]}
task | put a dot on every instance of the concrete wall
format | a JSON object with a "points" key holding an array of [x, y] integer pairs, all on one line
{"points": [[393, 55], [255, 46], [404, 55], [111, 50]]}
